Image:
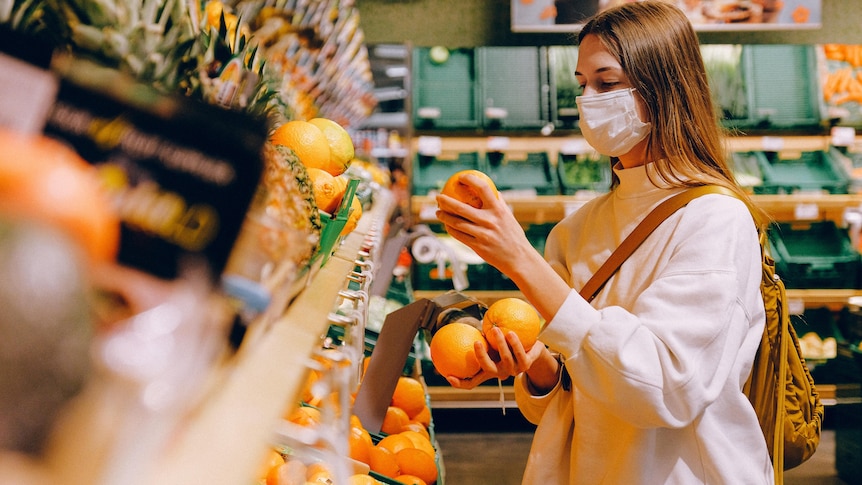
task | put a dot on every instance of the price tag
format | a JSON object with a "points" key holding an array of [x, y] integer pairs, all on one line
{"points": [[772, 143], [498, 143], [806, 211], [431, 146], [843, 136], [796, 306]]}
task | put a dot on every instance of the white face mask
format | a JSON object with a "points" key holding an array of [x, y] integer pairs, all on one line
{"points": [[610, 122]]}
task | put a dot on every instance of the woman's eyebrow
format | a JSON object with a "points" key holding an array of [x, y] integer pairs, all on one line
{"points": [[599, 70]]}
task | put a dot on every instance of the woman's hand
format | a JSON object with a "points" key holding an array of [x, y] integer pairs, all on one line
{"points": [[492, 231], [511, 360]]}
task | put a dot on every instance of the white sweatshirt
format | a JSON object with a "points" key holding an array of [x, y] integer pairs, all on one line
{"points": [[658, 360]]}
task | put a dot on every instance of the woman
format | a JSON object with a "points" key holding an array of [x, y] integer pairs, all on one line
{"points": [[655, 364]]}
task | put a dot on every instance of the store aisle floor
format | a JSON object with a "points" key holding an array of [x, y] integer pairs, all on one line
{"points": [[493, 451]]}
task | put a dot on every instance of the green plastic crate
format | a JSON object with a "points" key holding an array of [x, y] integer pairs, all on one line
{"points": [[449, 87], [746, 169], [782, 86], [512, 79], [430, 173], [530, 173], [582, 172], [814, 255], [811, 171]]}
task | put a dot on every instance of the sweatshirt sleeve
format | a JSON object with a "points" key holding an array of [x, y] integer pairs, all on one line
{"points": [[671, 337]]}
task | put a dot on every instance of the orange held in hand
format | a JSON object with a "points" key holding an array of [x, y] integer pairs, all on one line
{"points": [[513, 315], [457, 189], [452, 351]]}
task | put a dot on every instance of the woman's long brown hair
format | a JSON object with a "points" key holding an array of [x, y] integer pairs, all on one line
{"points": [[659, 52]]}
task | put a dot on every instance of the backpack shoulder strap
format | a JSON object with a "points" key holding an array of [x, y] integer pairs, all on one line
{"points": [[640, 233]]}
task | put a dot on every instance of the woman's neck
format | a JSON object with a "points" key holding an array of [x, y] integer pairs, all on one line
{"points": [[637, 156]]}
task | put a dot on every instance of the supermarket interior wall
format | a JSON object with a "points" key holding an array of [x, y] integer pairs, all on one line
{"points": [[472, 23]]}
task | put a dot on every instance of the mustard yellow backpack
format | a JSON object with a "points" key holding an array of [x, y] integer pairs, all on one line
{"points": [[780, 387]]}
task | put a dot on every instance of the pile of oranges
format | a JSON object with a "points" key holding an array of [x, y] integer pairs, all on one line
{"points": [[453, 351], [326, 150], [403, 451]]}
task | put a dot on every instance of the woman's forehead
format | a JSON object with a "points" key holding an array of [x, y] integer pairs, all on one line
{"points": [[594, 57]]}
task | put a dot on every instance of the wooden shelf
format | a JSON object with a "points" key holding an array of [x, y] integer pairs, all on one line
{"points": [[479, 397], [552, 208], [834, 299]]}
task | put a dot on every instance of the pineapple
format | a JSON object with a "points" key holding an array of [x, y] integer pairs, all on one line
{"points": [[149, 39], [230, 72], [287, 195]]}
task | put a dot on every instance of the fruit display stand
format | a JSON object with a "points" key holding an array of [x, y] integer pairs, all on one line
{"points": [[223, 438]]}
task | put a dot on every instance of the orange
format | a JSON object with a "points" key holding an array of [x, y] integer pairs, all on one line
{"points": [[360, 444], [353, 216], [318, 471], [341, 148], [409, 395], [395, 443], [305, 416], [328, 190], [424, 417], [383, 462], [410, 480], [365, 362], [307, 396], [272, 460], [457, 189], [452, 351], [418, 427], [42, 179], [513, 315], [306, 140], [287, 473], [362, 479], [394, 419], [420, 441], [414, 461]]}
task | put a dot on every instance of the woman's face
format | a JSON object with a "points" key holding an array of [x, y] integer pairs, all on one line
{"points": [[598, 71]]}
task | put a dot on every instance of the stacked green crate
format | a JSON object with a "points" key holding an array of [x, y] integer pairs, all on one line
{"points": [[531, 172], [808, 171], [583, 172], [430, 173], [512, 87], [764, 86], [781, 85], [815, 254], [444, 88]]}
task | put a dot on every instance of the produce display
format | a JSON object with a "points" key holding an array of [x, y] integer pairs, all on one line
{"points": [[841, 82], [136, 160]]}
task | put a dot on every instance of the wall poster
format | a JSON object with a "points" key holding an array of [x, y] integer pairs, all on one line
{"points": [[706, 15]]}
